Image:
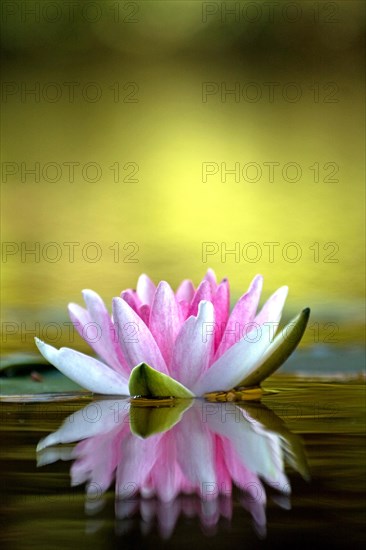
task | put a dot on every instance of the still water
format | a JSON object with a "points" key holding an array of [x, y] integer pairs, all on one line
{"points": [[288, 470]]}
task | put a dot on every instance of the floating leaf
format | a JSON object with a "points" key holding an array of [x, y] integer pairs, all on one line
{"points": [[279, 350], [148, 382]]}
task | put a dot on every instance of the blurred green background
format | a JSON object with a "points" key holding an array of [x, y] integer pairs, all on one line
{"points": [[130, 102]]}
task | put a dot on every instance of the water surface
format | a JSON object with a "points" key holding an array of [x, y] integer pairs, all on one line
{"points": [[42, 510]]}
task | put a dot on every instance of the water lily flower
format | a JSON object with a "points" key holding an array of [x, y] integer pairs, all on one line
{"points": [[200, 449], [182, 344]]}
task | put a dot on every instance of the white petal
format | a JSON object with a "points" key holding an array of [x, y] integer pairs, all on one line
{"points": [[136, 341], [236, 362], [261, 452], [96, 418], [145, 289], [195, 450], [272, 309], [194, 346], [84, 370]]}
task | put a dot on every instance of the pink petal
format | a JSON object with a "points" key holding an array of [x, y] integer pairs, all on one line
{"points": [[85, 371], [197, 465], [167, 514], [98, 334], [242, 314], [203, 292], [145, 289], [241, 475], [272, 309], [164, 321], [228, 371], [223, 477], [185, 291], [194, 346], [166, 477], [138, 458], [136, 341], [184, 310], [144, 313], [211, 278], [108, 345], [96, 460], [221, 303], [131, 298], [257, 511]]}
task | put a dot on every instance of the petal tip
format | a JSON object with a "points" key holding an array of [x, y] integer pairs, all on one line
{"points": [[89, 294], [38, 342], [46, 350]]}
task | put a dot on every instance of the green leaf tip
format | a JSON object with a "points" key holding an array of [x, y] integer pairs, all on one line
{"points": [[148, 382], [280, 349]]}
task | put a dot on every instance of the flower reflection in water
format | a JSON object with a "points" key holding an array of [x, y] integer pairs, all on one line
{"points": [[183, 457]]}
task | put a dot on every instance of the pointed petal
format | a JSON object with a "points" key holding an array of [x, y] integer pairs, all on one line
{"points": [[86, 371], [54, 454], [144, 313], [145, 289], [79, 425], [184, 310], [272, 309], [221, 303], [167, 515], [257, 450], [167, 481], [223, 476], [81, 318], [203, 292], [164, 320], [136, 341], [97, 332], [279, 350], [107, 344], [185, 291], [269, 421], [131, 298], [257, 510], [242, 314], [198, 465], [137, 461], [241, 475], [227, 371], [148, 382], [211, 278], [194, 346]]}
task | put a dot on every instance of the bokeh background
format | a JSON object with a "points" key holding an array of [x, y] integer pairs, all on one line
{"points": [[122, 108]]}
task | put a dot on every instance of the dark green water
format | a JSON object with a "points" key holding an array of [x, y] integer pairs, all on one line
{"points": [[41, 510]]}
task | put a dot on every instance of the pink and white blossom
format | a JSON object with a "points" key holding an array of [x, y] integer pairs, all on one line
{"points": [[188, 335]]}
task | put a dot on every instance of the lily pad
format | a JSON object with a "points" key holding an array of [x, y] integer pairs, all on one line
{"points": [[279, 350], [148, 382]]}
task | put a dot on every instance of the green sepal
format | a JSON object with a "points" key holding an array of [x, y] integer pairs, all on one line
{"points": [[279, 350], [148, 382]]}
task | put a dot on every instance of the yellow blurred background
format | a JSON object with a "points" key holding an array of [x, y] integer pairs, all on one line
{"points": [[164, 134]]}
